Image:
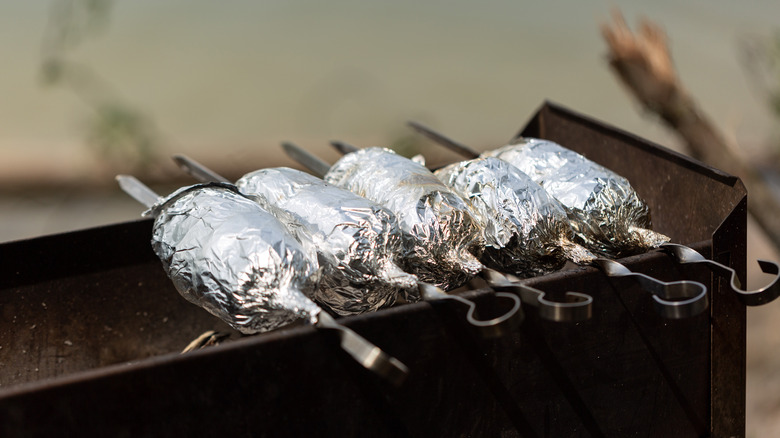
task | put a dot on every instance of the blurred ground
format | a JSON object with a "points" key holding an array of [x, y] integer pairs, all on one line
{"points": [[763, 345]]}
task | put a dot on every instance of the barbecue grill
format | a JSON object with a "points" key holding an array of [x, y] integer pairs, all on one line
{"points": [[91, 333]]}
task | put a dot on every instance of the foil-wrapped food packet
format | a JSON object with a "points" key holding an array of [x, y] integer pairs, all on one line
{"points": [[526, 230], [606, 213], [226, 254], [356, 239], [439, 231]]}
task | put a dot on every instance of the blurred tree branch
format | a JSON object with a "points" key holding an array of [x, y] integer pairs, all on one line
{"points": [[118, 132], [760, 57], [643, 63]]}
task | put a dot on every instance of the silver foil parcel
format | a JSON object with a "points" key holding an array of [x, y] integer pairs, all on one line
{"points": [[439, 231], [526, 230], [357, 240], [607, 214], [225, 253]]}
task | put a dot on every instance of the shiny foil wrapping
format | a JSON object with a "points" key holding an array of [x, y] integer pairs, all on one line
{"points": [[606, 213], [438, 229], [356, 239], [224, 253], [526, 230]]}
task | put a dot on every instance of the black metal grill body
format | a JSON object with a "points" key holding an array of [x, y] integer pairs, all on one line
{"points": [[90, 330]]}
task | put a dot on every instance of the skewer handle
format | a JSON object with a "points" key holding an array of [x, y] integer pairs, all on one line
{"points": [[673, 300], [366, 353], [490, 328], [577, 307], [756, 297]]}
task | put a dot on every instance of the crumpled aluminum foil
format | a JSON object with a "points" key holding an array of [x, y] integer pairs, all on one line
{"points": [[224, 253], [606, 213], [356, 239], [439, 232], [526, 230]]}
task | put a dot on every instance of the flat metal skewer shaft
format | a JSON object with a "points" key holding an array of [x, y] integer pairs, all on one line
{"points": [[306, 159], [137, 190], [443, 140], [197, 170], [364, 352], [343, 147]]}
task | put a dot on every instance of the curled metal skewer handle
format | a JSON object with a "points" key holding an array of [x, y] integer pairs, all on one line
{"points": [[673, 300], [577, 307], [364, 352], [758, 297], [490, 328]]}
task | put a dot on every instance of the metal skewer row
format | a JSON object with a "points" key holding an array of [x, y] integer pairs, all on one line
{"points": [[672, 300], [493, 327], [577, 307], [681, 253], [364, 352]]}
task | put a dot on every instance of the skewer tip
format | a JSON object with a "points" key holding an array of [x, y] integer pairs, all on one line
{"points": [[197, 170], [137, 190], [344, 148], [306, 159], [443, 140]]}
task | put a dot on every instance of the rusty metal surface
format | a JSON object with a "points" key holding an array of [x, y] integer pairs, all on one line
{"points": [[690, 202], [103, 352], [101, 299]]}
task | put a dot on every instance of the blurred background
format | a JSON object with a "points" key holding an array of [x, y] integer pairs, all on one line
{"points": [[91, 88]]}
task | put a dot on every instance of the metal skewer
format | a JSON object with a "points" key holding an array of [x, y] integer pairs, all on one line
{"points": [[343, 147], [505, 323], [681, 253], [757, 297], [578, 307], [673, 300], [493, 327], [447, 142], [137, 190], [488, 328], [306, 159], [364, 352]]}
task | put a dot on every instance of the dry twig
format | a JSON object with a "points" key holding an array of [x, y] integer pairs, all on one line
{"points": [[643, 63], [207, 339]]}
